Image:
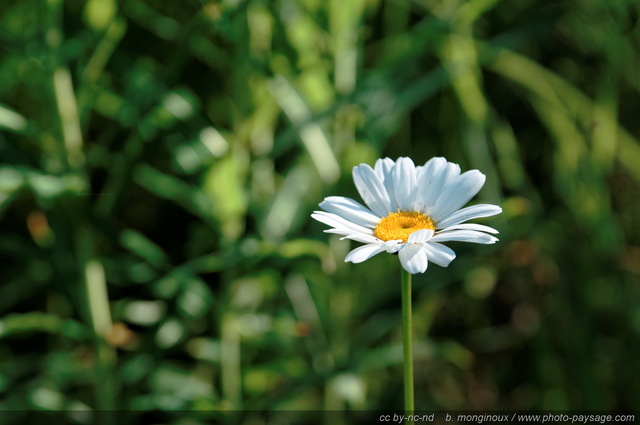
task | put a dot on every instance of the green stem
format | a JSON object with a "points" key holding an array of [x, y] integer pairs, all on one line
{"points": [[406, 342], [99, 316], [63, 90], [98, 300]]}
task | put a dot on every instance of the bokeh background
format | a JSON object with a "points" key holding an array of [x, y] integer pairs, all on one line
{"points": [[160, 160]]}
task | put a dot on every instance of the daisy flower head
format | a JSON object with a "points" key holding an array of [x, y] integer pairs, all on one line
{"points": [[409, 210]]}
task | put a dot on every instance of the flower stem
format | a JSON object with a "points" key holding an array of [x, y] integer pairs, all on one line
{"points": [[406, 342]]}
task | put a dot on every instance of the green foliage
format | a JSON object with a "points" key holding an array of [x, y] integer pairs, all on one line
{"points": [[160, 161]]}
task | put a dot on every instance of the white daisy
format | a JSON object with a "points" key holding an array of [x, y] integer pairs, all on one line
{"points": [[411, 210]]}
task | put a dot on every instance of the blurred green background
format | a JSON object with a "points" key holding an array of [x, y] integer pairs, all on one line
{"points": [[160, 160]]}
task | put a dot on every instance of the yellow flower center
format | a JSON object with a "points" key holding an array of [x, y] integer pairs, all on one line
{"points": [[401, 224]]}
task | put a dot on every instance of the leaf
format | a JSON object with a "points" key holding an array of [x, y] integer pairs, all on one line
{"points": [[143, 247], [43, 322], [224, 188]]}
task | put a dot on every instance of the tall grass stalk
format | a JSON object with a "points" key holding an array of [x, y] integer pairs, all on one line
{"points": [[97, 299], [93, 275]]}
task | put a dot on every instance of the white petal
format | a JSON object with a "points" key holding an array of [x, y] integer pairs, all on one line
{"points": [[404, 183], [472, 226], [465, 236], [420, 236], [350, 210], [440, 254], [468, 213], [393, 246], [434, 163], [413, 258], [383, 167], [339, 224], [457, 193], [432, 180], [419, 169], [371, 189], [364, 252], [384, 170], [359, 237]]}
